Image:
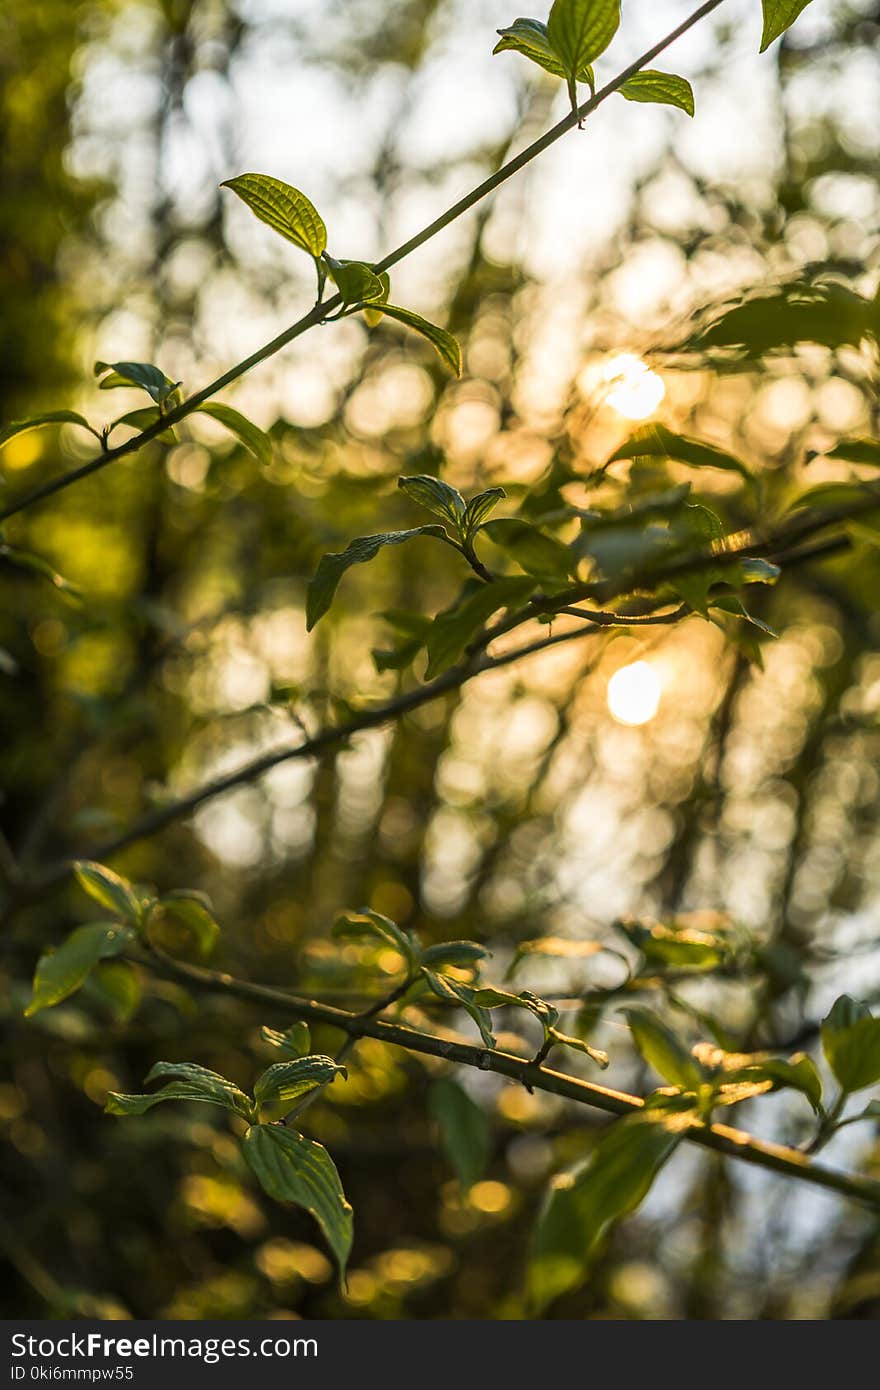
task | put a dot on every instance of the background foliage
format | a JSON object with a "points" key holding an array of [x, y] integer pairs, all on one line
{"points": [[513, 809]]}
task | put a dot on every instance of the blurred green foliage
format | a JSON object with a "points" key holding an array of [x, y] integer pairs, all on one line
{"points": [[504, 813]]}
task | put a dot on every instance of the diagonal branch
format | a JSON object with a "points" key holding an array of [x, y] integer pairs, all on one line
{"points": [[321, 311], [721, 1139]]}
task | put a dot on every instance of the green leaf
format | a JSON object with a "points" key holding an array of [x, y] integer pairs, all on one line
{"points": [[851, 1043], [579, 1045], [295, 1040], [283, 208], [461, 953], [117, 985], [464, 1129], [662, 1050], [141, 374], [291, 1168], [109, 889], [285, 1082], [662, 87], [357, 282], [35, 564], [579, 31], [193, 911], [366, 924], [143, 419], [255, 440], [583, 1204], [373, 311], [462, 996], [799, 312], [534, 551], [189, 1081], [435, 496], [322, 587], [730, 603], [446, 344], [864, 451], [38, 422], [657, 441], [562, 947], [480, 507], [451, 631], [779, 15], [798, 1074], [61, 972], [529, 37], [678, 943]]}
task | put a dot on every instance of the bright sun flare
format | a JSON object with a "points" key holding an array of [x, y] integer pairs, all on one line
{"points": [[634, 390], [634, 693]]}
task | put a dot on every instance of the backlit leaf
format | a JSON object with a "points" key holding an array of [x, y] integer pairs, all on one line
{"points": [[255, 440], [291, 1168], [451, 631], [283, 208], [464, 1129], [662, 87], [331, 567], [61, 972], [37, 422], [779, 15], [445, 343]]}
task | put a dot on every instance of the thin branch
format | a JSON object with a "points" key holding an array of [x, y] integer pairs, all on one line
{"points": [[320, 312], [477, 661], [723, 1139]]}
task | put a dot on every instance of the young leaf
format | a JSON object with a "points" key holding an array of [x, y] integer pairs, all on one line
{"points": [[189, 1081], [255, 440], [461, 953], [464, 1129], [534, 551], [480, 507], [295, 1040], [435, 496], [357, 926], [529, 37], [109, 889], [451, 631], [679, 943], [61, 972], [331, 568], [291, 1168], [583, 1204], [851, 1043], [579, 31], [357, 282], [37, 422], [579, 1045], [463, 997], [192, 910], [285, 1082], [662, 1050], [142, 374], [446, 344], [779, 15], [142, 419], [657, 441], [283, 208], [797, 1074], [662, 87], [373, 310]]}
